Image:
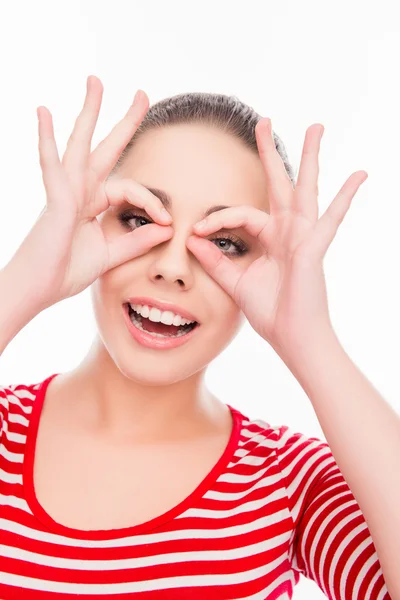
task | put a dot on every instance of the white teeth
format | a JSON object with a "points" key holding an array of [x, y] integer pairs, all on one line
{"points": [[138, 324], [144, 310], [156, 315], [167, 317], [179, 321]]}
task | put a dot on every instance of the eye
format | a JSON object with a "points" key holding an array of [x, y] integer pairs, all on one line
{"points": [[230, 240], [127, 216]]}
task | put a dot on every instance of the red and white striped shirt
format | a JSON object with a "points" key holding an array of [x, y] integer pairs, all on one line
{"points": [[273, 507]]}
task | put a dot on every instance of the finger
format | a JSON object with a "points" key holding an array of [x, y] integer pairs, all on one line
{"points": [[52, 172], [221, 268], [328, 224], [280, 189], [135, 243], [107, 153], [306, 190], [252, 219], [76, 155], [118, 191]]}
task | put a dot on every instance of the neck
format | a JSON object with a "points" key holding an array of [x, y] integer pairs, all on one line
{"points": [[115, 406]]}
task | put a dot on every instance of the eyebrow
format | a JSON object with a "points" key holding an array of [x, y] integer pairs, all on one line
{"points": [[166, 201]]}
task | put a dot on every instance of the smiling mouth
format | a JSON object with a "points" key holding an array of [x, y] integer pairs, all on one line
{"points": [[159, 329]]}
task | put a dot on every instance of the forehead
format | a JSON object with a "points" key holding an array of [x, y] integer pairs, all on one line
{"points": [[198, 163]]}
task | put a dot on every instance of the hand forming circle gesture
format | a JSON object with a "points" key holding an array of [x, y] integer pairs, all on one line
{"points": [[283, 292], [66, 249]]}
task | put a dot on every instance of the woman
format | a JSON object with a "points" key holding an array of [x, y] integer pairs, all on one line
{"points": [[126, 477]]}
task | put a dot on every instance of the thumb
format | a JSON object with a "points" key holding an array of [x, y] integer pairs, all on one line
{"points": [[135, 243], [221, 268]]}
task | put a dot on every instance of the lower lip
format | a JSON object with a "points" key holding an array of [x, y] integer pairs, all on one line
{"points": [[146, 339]]}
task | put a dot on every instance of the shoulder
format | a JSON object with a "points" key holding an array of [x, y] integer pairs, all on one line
{"points": [[16, 403], [298, 457], [283, 439], [278, 437]]}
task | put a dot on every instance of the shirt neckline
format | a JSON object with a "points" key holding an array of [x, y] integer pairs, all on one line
{"points": [[104, 534]]}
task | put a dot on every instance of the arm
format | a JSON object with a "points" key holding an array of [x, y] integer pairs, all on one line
{"points": [[16, 309], [363, 433]]}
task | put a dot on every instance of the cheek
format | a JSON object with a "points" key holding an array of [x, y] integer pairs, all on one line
{"points": [[117, 283], [105, 288], [228, 316]]}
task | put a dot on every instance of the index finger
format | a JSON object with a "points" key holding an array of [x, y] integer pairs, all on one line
{"points": [[79, 142], [280, 190], [118, 190], [252, 219], [105, 155]]}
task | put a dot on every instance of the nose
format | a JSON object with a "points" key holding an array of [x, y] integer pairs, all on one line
{"points": [[172, 263]]}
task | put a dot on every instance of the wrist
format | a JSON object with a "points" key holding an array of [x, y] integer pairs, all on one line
{"points": [[307, 348], [16, 310]]}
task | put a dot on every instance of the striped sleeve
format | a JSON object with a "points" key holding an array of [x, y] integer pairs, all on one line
{"points": [[3, 408], [332, 544]]}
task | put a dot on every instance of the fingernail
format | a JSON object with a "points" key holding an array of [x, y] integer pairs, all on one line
{"points": [[138, 97], [200, 224], [164, 213], [268, 124]]}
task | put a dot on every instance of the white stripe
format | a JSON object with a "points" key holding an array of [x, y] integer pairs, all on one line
{"points": [[269, 480], [14, 502], [250, 506], [241, 452], [256, 437], [25, 394], [138, 540], [10, 477], [15, 418], [18, 438], [264, 443], [143, 586], [170, 558], [259, 422], [240, 478], [10, 456], [12, 399], [252, 459]]}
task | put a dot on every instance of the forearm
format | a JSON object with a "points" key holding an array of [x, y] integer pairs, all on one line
{"points": [[16, 308], [363, 433]]}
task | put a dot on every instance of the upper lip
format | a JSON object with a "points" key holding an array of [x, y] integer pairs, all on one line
{"points": [[153, 302]]}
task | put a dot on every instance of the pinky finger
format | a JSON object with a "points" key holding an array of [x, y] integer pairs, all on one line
{"points": [[135, 243], [328, 224]]}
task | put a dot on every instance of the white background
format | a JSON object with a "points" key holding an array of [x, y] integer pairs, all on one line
{"points": [[299, 63]]}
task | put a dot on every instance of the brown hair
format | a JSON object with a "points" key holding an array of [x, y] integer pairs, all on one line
{"points": [[227, 113]]}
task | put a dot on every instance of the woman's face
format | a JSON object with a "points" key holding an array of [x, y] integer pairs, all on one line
{"points": [[198, 167]]}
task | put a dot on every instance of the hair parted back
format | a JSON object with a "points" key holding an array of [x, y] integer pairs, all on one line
{"points": [[227, 113]]}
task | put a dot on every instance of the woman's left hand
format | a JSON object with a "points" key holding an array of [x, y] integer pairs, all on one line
{"points": [[283, 292]]}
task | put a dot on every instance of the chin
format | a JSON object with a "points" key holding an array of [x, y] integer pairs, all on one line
{"points": [[149, 371]]}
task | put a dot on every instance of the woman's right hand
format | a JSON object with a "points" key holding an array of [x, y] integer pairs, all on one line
{"points": [[66, 251]]}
